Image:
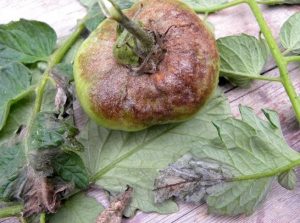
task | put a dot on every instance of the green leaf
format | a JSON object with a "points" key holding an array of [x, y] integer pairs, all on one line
{"points": [[256, 152], [290, 34], [236, 198], [18, 116], [95, 15], [70, 168], [15, 85], [116, 159], [12, 160], [64, 69], [233, 172], [203, 5], [242, 57], [288, 179], [26, 41], [77, 209]]}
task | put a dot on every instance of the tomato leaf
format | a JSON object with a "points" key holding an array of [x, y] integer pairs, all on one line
{"points": [[233, 172], [115, 159], [288, 179], [26, 41], [12, 159], [95, 15], [290, 34], [241, 57], [48, 166], [78, 209], [15, 85], [71, 169]]}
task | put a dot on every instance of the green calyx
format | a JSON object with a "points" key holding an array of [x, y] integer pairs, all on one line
{"points": [[125, 49], [134, 43]]}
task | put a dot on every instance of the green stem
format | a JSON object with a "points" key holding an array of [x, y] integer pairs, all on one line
{"points": [[253, 77], [231, 4], [11, 211], [55, 58], [270, 173], [277, 55], [292, 59], [271, 2], [43, 217], [112, 11], [218, 7]]}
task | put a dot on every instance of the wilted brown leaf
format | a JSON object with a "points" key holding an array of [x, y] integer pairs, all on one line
{"points": [[114, 213]]}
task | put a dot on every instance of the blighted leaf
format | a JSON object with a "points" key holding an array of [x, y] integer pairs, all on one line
{"points": [[14, 86], [46, 169], [114, 213], [288, 179], [188, 179], [49, 132], [241, 57], [26, 41], [116, 158], [232, 173], [41, 194], [204, 5], [290, 34], [77, 209]]}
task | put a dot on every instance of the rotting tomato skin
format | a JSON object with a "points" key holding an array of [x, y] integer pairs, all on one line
{"points": [[185, 80]]}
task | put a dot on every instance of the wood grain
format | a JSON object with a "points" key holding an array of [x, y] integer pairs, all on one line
{"points": [[281, 205]]}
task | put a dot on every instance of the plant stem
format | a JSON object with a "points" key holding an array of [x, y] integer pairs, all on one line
{"points": [[11, 211], [254, 77], [54, 59], [218, 7], [231, 4], [270, 2], [279, 58], [43, 217], [273, 172], [112, 11], [292, 59]]}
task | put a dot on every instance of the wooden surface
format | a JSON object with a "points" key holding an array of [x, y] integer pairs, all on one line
{"points": [[281, 206]]}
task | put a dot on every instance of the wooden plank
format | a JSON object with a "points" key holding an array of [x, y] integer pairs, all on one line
{"points": [[63, 15]]}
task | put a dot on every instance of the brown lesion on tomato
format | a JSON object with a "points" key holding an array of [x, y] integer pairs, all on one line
{"points": [[184, 80]]}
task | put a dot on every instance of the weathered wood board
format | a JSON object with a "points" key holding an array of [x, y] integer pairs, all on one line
{"points": [[282, 206]]}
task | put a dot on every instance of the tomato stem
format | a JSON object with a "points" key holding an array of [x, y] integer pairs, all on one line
{"points": [[278, 57], [11, 211], [113, 11]]}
